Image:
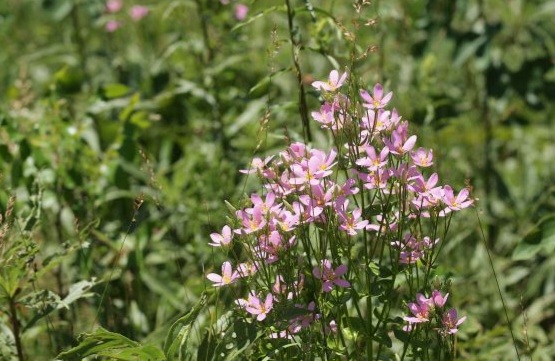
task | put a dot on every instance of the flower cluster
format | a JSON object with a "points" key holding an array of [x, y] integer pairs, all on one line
{"points": [[316, 205], [426, 310]]}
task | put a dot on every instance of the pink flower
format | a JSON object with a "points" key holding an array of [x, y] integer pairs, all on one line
{"points": [[350, 222], [257, 166], [376, 122], [112, 25], [377, 101], [450, 322], [305, 320], [113, 6], [273, 244], [266, 206], [439, 299], [334, 82], [255, 306], [325, 116], [137, 12], [247, 269], [329, 276], [400, 143], [423, 157], [420, 310], [456, 203], [253, 221], [372, 161], [223, 239], [413, 250], [241, 11], [376, 179], [227, 277]]}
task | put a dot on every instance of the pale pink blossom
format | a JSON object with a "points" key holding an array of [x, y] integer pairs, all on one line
{"points": [[461, 201], [137, 12], [378, 100], [257, 307], [227, 277], [423, 157], [241, 11], [334, 82], [450, 322], [373, 161], [222, 239], [329, 276], [113, 6], [112, 25]]}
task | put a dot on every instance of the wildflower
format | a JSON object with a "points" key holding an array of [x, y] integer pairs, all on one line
{"points": [[247, 269], [113, 6], [420, 310], [450, 322], [456, 203], [413, 250], [255, 306], [305, 320], [266, 206], [253, 221], [334, 82], [273, 244], [222, 239], [137, 12], [112, 25], [422, 157], [372, 161], [439, 299], [351, 222], [378, 101], [227, 277], [329, 276], [257, 166], [241, 11], [376, 122], [325, 116], [399, 143]]}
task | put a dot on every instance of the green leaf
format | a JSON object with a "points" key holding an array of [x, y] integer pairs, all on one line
{"points": [[112, 345], [176, 340], [249, 116], [111, 91], [540, 239], [47, 301]]}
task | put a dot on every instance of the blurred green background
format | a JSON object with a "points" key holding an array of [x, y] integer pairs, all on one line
{"points": [[121, 147]]}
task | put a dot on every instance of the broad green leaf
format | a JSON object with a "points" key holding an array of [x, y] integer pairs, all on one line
{"points": [[115, 90], [176, 340], [250, 115], [540, 239], [113, 346], [46, 301]]}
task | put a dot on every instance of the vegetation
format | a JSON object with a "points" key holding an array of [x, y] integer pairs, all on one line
{"points": [[123, 129]]}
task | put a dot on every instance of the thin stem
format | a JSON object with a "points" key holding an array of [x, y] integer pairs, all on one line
{"points": [[498, 286], [295, 49], [79, 39], [15, 328]]}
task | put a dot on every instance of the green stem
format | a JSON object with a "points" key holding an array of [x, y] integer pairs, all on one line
{"points": [[79, 40], [15, 328], [295, 48]]}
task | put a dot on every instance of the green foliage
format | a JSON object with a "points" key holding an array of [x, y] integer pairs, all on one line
{"points": [[111, 346]]}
